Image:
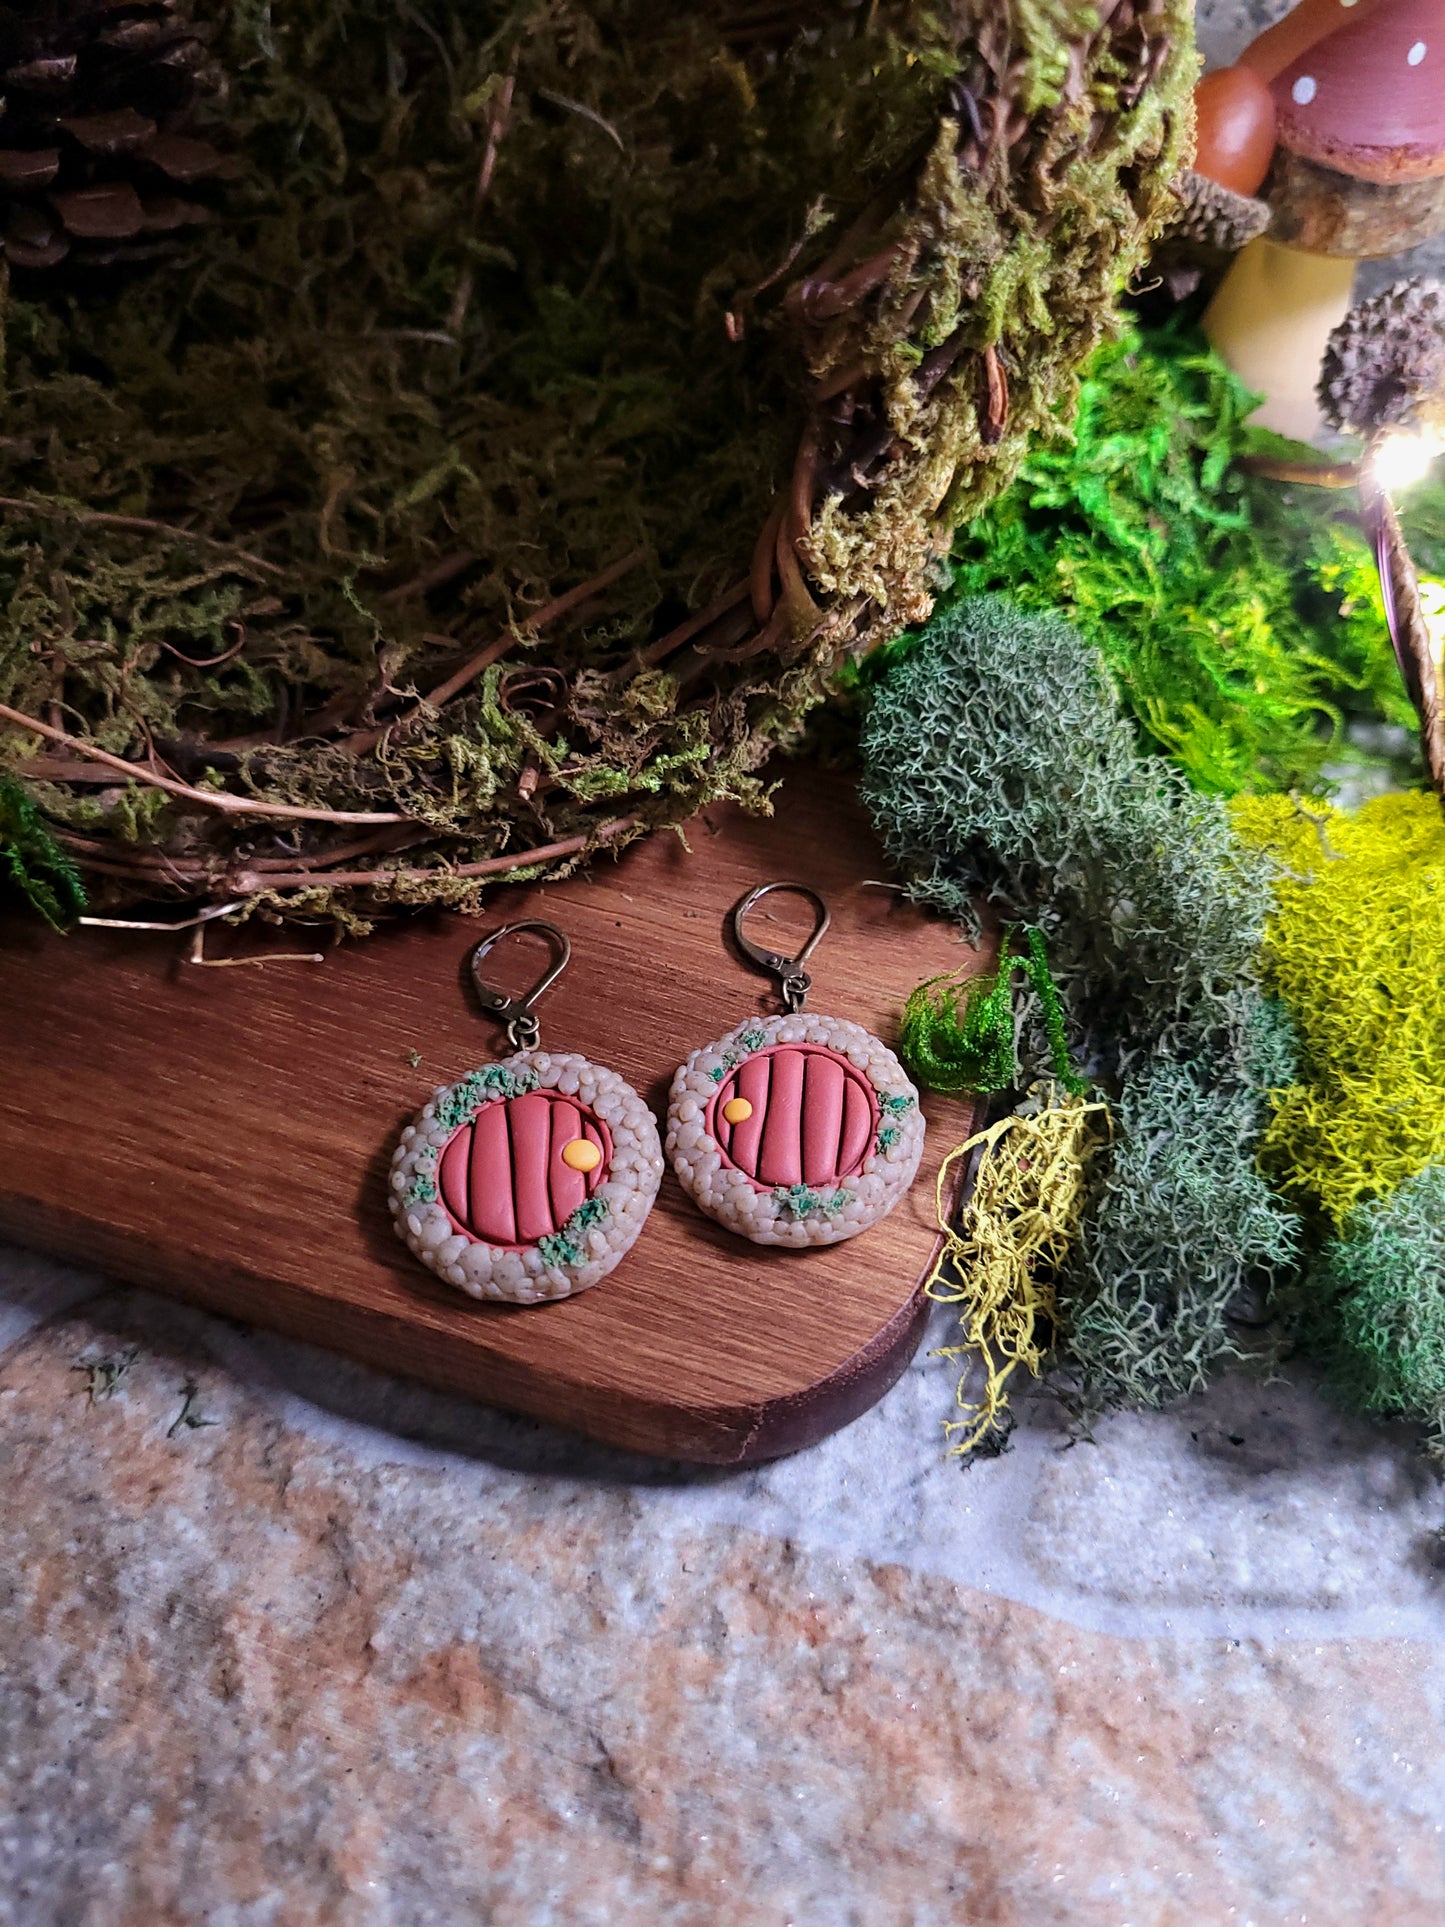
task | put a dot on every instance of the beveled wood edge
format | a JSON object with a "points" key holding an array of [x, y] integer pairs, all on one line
{"points": [[727, 1435]]}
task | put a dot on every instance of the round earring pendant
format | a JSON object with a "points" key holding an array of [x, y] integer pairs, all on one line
{"points": [[526, 1180], [795, 1130]]}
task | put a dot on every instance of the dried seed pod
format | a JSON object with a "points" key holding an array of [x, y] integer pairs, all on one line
{"points": [[1384, 366], [1211, 224], [1212, 217]]}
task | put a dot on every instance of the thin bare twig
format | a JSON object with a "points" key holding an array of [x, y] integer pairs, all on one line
{"points": [[580, 108], [209, 662], [655, 652], [436, 577], [498, 115], [1314, 474], [198, 956], [208, 915], [252, 883], [211, 799]]}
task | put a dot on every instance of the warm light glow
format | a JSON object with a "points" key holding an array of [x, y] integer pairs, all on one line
{"points": [[1402, 457]]}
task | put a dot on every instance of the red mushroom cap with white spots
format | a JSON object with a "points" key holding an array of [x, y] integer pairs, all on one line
{"points": [[1369, 99]]}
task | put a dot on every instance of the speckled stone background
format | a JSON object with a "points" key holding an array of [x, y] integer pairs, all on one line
{"points": [[282, 1641]]}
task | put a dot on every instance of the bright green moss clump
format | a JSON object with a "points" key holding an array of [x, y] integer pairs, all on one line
{"points": [[1240, 617], [33, 867]]}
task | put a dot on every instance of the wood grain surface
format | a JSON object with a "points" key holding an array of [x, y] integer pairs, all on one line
{"points": [[224, 1135]]}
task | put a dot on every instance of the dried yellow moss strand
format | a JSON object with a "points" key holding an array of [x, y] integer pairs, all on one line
{"points": [[999, 1264]]}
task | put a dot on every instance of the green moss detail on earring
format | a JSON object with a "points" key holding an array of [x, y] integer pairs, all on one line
{"points": [[459, 1104], [423, 1189], [797, 1200], [744, 1046], [563, 1247]]}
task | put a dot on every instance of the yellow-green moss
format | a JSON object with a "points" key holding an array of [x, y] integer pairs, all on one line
{"points": [[1356, 948]]}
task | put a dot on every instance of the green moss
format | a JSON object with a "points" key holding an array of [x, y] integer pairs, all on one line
{"points": [[797, 1200], [957, 1034], [999, 764], [1378, 1311], [461, 1101], [1240, 617], [565, 1247], [1181, 1225], [32, 864], [1355, 948]]}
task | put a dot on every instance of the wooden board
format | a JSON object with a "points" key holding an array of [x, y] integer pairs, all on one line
{"points": [[224, 1135]]}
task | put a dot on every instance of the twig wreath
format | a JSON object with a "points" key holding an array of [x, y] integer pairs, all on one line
{"points": [[560, 394]]}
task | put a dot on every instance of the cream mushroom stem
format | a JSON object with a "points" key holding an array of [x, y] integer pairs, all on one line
{"points": [[1271, 318]]}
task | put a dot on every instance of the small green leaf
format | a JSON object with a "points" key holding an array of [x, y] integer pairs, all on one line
{"points": [[31, 859]]}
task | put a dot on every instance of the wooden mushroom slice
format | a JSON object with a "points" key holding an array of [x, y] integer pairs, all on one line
{"points": [[1359, 172]]}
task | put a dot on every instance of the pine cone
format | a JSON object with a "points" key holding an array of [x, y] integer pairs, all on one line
{"points": [[1213, 217], [1210, 224], [1385, 363], [99, 151]]}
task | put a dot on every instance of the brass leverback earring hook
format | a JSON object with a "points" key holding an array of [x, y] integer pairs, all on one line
{"points": [[794, 982], [524, 1032]]}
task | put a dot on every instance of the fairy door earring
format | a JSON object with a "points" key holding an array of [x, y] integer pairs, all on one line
{"points": [[529, 1179], [794, 1130]]}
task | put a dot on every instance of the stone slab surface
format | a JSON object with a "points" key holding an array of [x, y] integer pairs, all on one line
{"points": [[284, 1641]]}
